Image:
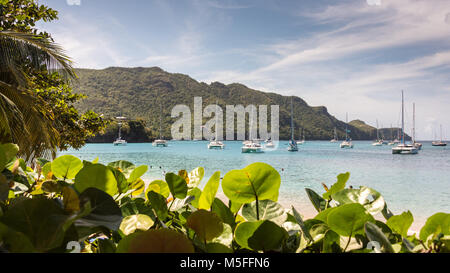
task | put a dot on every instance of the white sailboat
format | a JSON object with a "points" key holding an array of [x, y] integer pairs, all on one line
{"points": [[335, 139], [252, 145], [214, 143], [439, 143], [301, 142], [269, 143], [347, 143], [378, 142], [404, 148], [292, 144], [119, 141], [160, 142], [415, 143]]}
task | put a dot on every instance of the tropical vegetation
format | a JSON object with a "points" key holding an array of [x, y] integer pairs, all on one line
{"points": [[36, 100], [70, 205]]}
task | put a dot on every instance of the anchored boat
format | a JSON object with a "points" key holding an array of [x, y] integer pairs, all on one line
{"points": [[347, 143], [404, 148], [119, 141]]}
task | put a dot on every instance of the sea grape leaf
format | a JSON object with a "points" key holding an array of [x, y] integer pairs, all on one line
{"points": [[70, 200], [223, 212], [207, 225], [339, 185], [401, 223], [104, 210], [158, 186], [137, 173], [42, 220], [124, 166], [158, 203], [318, 202], [96, 176], [14, 241], [435, 224], [268, 210], [374, 233], [256, 181], [331, 242], [195, 177], [160, 241], [299, 220], [135, 222], [209, 192], [138, 187], [361, 196], [260, 235], [177, 185], [349, 219], [66, 167]]}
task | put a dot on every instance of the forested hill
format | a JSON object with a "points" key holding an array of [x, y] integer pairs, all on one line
{"points": [[137, 93]]}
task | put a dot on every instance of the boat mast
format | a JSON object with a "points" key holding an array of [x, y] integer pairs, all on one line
{"points": [[403, 121], [378, 138], [217, 121], [292, 120], [160, 122], [414, 124], [346, 125], [441, 133]]}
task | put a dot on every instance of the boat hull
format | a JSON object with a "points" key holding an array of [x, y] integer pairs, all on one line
{"points": [[248, 150], [405, 150]]}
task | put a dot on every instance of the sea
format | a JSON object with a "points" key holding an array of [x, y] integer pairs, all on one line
{"points": [[419, 183]]}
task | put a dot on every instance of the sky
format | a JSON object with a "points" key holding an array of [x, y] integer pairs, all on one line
{"points": [[351, 56]]}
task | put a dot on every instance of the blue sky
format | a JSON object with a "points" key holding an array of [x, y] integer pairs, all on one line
{"points": [[350, 55]]}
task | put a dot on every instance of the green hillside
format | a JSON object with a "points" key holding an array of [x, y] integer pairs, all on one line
{"points": [[137, 93]]}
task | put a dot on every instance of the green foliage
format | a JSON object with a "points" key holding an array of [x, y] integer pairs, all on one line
{"points": [[35, 87], [108, 208]]}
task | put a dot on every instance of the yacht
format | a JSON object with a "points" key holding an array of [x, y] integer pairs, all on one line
{"points": [[378, 142], [300, 142], [252, 147], [439, 143], [404, 148], [335, 139], [119, 141], [214, 143], [416, 144], [160, 142], [347, 143], [269, 144], [292, 144]]}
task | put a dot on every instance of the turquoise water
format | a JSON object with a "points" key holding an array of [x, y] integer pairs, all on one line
{"points": [[420, 183]]}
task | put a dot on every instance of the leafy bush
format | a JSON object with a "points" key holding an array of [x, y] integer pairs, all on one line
{"points": [[59, 205]]}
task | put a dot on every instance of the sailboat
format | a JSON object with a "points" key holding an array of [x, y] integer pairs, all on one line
{"points": [[404, 148], [119, 141], [216, 144], [335, 139], [392, 136], [416, 144], [379, 142], [347, 143], [300, 142], [439, 143], [292, 144], [160, 142], [252, 145]]}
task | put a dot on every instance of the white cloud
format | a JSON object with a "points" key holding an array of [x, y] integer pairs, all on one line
{"points": [[73, 2], [374, 2]]}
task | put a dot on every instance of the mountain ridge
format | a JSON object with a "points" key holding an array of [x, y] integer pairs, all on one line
{"points": [[138, 92]]}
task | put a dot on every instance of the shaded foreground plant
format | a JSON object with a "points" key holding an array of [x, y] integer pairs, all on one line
{"points": [[108, 208]]}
